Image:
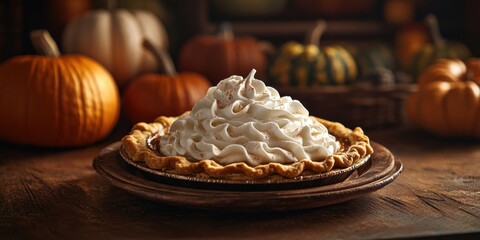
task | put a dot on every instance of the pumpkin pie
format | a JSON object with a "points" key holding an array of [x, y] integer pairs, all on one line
{"points": [[243, 130]]}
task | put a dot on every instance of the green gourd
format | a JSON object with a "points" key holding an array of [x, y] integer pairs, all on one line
{"points": [[309, 64], [371, 57]]}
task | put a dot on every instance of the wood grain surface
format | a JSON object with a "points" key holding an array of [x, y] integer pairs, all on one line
{"points": [[56, 194]]}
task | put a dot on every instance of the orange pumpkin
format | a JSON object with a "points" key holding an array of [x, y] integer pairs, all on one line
{"points": [[56, 101], [151, 95], [409, 39], [218, 57], [447, 102]]}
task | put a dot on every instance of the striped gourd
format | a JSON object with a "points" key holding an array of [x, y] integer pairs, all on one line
{"points": [[440, 48], [371, 57], [309, 65]]}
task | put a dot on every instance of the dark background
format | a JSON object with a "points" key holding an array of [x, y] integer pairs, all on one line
{"points": [[184, 18]]}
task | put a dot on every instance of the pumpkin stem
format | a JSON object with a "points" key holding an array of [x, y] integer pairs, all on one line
{"points": [[432, 23], [313, 36], [225, 31], [162, 57], [44, 44]]}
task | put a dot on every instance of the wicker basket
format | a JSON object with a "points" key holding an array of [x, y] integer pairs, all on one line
{"points": [[366, 106]]}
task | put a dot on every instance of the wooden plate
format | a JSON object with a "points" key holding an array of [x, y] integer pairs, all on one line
{"points": [[380, 170], [334, 176]]}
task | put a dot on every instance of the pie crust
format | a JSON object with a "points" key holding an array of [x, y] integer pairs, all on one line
{"points": [[141, 145]]}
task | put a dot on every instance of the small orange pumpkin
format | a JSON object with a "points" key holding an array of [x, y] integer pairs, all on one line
{"points": [[151, 95], [447, 102], [56, 101], [219, 57], [409, 39]]}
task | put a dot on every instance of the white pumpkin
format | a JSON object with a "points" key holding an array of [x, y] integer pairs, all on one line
{"points": [[114, 38]]}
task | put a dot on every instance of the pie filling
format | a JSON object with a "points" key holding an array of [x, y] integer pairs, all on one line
{"points": [[244, 129]]}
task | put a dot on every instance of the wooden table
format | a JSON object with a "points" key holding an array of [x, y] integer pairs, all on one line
{"points": [[57, 194]]}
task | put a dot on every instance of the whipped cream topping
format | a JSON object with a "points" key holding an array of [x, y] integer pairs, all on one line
{"points": [[242, 120]]}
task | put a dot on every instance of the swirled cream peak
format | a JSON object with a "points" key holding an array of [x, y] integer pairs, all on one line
{"points": [[242, 120]]}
